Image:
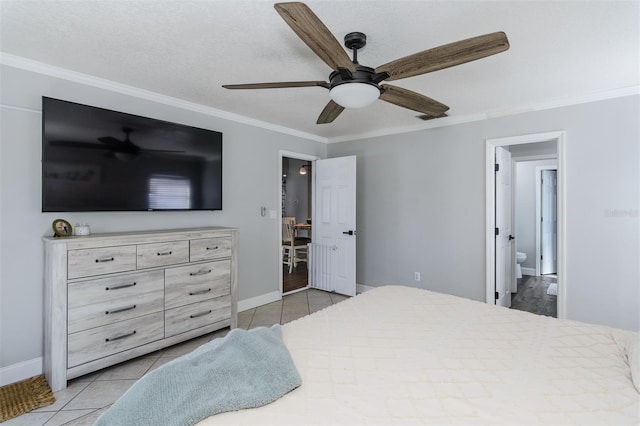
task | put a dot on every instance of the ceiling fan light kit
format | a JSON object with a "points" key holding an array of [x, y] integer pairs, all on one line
{"points": [[352, 85], [354, 95]]}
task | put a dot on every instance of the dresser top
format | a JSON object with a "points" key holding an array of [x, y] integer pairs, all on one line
{"points": [[137, 237]]}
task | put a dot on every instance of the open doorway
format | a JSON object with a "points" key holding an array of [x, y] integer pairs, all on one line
{"points": [[523, 149], [534, 287], [296, 220]]}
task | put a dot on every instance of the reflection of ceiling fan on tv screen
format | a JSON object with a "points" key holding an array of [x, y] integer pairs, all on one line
{"points": [[118, 147], [352, 85]]}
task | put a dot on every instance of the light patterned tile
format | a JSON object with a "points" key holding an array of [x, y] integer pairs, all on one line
{"points": [[269, 308], [317, 297], [337, 298], [87, 419], [64, 396], [63, 417], [292, 316], [99, 394], [316, 308], [267, 315], [133, 369], [245, 317], [161, 361], [29, 419], [265, 321], [297, 305], [87, 378], [184, 347]]}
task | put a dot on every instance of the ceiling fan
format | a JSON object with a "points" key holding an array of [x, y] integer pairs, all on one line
{"points": [[116, 147], [352, 85]]}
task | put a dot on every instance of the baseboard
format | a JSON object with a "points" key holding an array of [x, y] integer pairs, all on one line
{"points": [[20, 371], [361, 288], [529, 271], [263, 299]]}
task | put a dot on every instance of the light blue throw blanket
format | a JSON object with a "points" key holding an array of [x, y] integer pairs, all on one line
{"points": [[245, 369]]}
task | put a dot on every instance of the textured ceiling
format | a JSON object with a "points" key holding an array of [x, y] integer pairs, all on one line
{"points": [[560, 50]]}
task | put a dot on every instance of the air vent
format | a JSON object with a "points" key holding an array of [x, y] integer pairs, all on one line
{"points": [[426, 117]]}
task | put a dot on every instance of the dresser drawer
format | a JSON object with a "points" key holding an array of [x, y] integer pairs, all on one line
{"points": [[98, 261], [104, 301], [162, 254], [196, 315], [99, 342], [193, 283], [210, 248]]}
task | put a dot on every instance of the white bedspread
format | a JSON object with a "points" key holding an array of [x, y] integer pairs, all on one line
{"points": [[399, 355]]}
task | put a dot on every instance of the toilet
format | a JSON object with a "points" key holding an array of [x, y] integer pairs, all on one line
{"points": [[520, 257]]}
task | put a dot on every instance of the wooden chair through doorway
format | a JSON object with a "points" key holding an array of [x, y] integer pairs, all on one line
{"points": [[294, 249]]}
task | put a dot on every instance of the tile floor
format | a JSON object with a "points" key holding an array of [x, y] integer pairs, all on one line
{"points": [[83, 400]]}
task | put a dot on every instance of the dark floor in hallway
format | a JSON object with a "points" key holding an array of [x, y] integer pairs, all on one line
{"points": [[298, 278], [532, 296]]}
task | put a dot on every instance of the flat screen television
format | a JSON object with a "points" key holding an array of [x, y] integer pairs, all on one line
{"points": [[95, 159]]}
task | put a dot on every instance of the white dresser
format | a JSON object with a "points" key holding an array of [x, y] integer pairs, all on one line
{"points": [[113, 297]]}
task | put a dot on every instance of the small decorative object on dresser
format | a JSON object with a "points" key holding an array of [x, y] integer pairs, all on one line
{"points": [[81, 230], [61, 228], [113, 297]]}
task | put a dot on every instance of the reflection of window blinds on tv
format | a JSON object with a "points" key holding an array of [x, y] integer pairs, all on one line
{"points": [[168, 192]]}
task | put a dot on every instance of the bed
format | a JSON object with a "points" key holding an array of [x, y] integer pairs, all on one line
{"points": [[400, 355]]}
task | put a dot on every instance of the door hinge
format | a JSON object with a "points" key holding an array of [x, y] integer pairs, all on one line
{"points": [[540, 257], [497, 295], [497, 168], [497, 231]]}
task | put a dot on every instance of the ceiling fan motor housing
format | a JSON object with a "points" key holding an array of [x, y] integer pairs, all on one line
{"points": [[361, 75]]}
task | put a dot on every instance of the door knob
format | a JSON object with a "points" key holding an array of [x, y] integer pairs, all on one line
{"points": [[350, 232], [511, 237]]}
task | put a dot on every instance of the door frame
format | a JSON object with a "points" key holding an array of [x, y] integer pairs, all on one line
{"points": [[297, 156], [490, 144], [539, 170]]}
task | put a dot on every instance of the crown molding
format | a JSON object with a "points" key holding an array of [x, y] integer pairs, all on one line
{"points": [[89, 80]]}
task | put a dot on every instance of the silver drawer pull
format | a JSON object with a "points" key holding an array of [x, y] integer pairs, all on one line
{"points": [[118, 287], [213, 248], [115, 311], [200, 272], [164, 253], [195, 293], [200, 314], [105, 259], [122, 336]]}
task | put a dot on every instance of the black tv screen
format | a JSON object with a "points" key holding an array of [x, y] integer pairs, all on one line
{"points": [[95, 159]]}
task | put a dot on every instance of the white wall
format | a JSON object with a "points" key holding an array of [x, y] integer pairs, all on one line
{"points": [[22, 225], [420, 204], [525, 208]]}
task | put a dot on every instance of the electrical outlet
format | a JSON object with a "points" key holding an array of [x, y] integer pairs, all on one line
{"points": [[416, 276]]}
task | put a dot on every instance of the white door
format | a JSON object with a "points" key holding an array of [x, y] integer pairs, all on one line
{"points": [[549, 222], [504, 260], [332, 256]]}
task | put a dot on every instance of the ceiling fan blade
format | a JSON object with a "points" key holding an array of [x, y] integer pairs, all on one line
{"points": [[411, 100], [315, 34], [446, 56], [280, 85], [330, 113]]}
